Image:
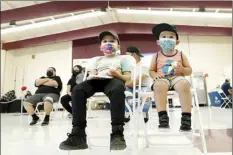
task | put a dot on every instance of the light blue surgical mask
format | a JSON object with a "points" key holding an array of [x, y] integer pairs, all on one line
{"points": [[167, 44]]}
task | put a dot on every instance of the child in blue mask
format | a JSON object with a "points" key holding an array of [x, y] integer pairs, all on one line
{"points": [[107, 74], [168, 68]]}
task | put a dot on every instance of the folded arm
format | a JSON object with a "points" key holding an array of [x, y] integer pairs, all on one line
{"points": [[51, 83], [41, 81]]}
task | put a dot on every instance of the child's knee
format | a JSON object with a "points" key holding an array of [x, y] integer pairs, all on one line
{"points": [[183, 85], [160, 86]]}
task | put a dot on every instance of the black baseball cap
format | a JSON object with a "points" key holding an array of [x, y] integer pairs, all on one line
{"points": [[164, 27], [133, 49], [104, 33]]}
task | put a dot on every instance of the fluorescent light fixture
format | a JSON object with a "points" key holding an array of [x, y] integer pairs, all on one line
{"points": [[52, 22], [177, 13]]}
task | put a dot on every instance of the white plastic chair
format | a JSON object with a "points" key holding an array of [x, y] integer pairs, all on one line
{"points": [[225, 98], [143, 95], [53, 112]]}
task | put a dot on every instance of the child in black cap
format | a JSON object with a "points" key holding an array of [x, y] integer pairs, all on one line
{"points": [[168, 68]]}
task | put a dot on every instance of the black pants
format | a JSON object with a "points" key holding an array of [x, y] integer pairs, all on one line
{"points": [[113, 88], [65, 100]]}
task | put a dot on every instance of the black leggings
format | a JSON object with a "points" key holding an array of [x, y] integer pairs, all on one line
{"points": [[113, 88], [65, 100]]}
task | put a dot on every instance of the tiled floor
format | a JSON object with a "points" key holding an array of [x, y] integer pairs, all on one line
{"points": [[18, 138]]}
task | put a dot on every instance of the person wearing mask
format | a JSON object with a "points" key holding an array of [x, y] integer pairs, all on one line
{"points": [[168, 69], [76, 78], [48, 91], [146, 82], [107, 74]]}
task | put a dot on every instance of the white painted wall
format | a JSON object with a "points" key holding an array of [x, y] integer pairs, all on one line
{"points": [[20, 63], [3, 56], [210, 55]]}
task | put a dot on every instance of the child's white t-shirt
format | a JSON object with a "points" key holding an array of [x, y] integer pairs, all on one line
{"points": [[103, 64]]}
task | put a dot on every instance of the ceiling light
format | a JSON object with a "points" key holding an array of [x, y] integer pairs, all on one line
{"points": [[52, 22], [177, 13]]}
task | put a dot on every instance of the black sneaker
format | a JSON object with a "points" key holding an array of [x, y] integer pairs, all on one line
{"points": [[127, 119], [146, 117], [34, 121], [75, 141], [44, 123], [185, 123], [117, 141], [164, 122]]}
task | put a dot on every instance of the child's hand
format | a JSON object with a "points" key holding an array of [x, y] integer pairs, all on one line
{"points": [[179, 68], [158, 76], [114, 73]]}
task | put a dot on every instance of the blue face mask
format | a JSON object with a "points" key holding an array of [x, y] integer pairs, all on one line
{"points": [[167, 44]]}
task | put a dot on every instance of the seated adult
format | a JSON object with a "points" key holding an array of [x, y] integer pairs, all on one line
{"points": [[48, 91], [76, 78], [146, 81], [227, 88]]}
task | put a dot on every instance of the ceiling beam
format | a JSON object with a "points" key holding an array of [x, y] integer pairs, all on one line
{"points": [[8, 4], [63, 7], [35, 2], [119, 28]]}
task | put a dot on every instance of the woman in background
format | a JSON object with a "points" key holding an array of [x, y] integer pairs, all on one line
{"points": [[76, 78]]}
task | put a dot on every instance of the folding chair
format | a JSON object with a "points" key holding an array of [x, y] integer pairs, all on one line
{"points": [[90, 112], [146, 135], [225, 98], [53, 112]]}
